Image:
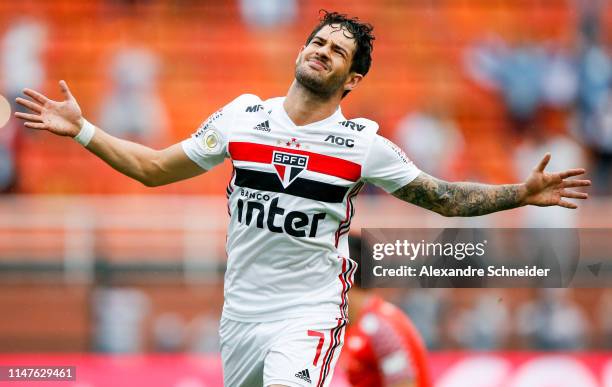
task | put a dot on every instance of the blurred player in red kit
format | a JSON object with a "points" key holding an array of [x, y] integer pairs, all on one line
{"points": [[382, 347]]}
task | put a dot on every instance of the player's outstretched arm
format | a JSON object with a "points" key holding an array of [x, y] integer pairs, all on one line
{"points": [[473, 199], [64, 118]]}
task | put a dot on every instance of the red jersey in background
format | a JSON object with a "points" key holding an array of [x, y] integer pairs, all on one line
{"points": [[383, 348]]}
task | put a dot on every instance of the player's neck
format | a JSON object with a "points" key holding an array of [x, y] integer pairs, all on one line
{"points": [[304, 107]]}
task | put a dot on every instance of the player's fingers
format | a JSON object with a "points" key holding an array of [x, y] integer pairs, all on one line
{"points": [[35, 125], [29, 117], [571, 172], [29, 104], [543, 163], [575, 183], [574, 194], [65, 89], [36, 96], [563, 203]]}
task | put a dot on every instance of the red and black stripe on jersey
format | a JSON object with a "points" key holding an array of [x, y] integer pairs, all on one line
{"points": [[301, 187]]}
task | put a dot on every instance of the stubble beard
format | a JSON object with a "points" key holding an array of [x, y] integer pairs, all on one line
{"points": [[318, 85]]}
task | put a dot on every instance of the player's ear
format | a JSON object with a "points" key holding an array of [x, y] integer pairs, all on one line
{"points": [[352, 81]]}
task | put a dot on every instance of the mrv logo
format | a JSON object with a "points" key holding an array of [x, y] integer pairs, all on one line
{"points": [[288, 166], [352, 126], [294, 223], [347, 142]]}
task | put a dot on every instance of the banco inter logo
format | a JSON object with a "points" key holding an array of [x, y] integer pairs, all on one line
{"points": [[288, 166]]}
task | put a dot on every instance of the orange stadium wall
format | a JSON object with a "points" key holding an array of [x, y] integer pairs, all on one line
{"points": [[209, 56]]}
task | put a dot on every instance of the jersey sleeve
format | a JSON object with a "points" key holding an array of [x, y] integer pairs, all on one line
{"points": [[207, 147], [387, 166]]}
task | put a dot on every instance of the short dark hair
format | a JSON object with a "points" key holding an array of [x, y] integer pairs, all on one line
{"points": [[362, 33]]}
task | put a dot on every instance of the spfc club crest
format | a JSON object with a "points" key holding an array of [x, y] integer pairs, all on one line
{"points": [[288, 166]]}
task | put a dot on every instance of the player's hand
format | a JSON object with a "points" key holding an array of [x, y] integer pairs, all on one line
{"points": [[550, 189], [62, 118]]}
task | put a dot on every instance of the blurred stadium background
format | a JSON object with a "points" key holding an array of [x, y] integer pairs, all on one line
{"points": [[94, 264]]}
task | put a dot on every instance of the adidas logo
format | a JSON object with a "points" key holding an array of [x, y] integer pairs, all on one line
{"points": [[304, 375], [264, 126]]}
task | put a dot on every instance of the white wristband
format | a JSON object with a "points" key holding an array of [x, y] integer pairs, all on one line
{"points": [[86, 134]]}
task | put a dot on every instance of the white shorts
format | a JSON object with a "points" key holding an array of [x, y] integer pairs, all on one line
{"points": [[298, 352]]}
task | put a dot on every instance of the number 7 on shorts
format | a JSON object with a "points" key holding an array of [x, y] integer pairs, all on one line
{"points": [[321, 337]]}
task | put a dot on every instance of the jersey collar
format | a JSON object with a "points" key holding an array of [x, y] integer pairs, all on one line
{"points": [[278, 110]]}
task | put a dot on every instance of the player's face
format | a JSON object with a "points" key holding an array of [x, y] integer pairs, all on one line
{"points": [[323, 66]]}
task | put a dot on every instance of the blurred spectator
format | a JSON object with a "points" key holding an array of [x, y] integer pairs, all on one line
{"points": [[22, 47], [268, 13], [21, 66], [424, 307], [133, 110], [485, 326], [204, 334], [119, 315], [553, 322], [431, 139], [516, 72], [605, 319], [594, 105], [560, 80], [8, 131], [169, 333]]}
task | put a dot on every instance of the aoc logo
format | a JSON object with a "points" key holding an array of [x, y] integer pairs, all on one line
{"points": [[347, 142], [288, 166]]}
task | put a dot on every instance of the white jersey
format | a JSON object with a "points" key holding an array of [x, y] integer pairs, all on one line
{"points": [[290, 200]]}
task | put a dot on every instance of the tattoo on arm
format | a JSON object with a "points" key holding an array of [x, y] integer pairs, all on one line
{"points": [[459, 199]]}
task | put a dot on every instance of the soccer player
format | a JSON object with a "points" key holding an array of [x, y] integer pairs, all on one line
{"points": [[298, 165], [383, 348]]}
